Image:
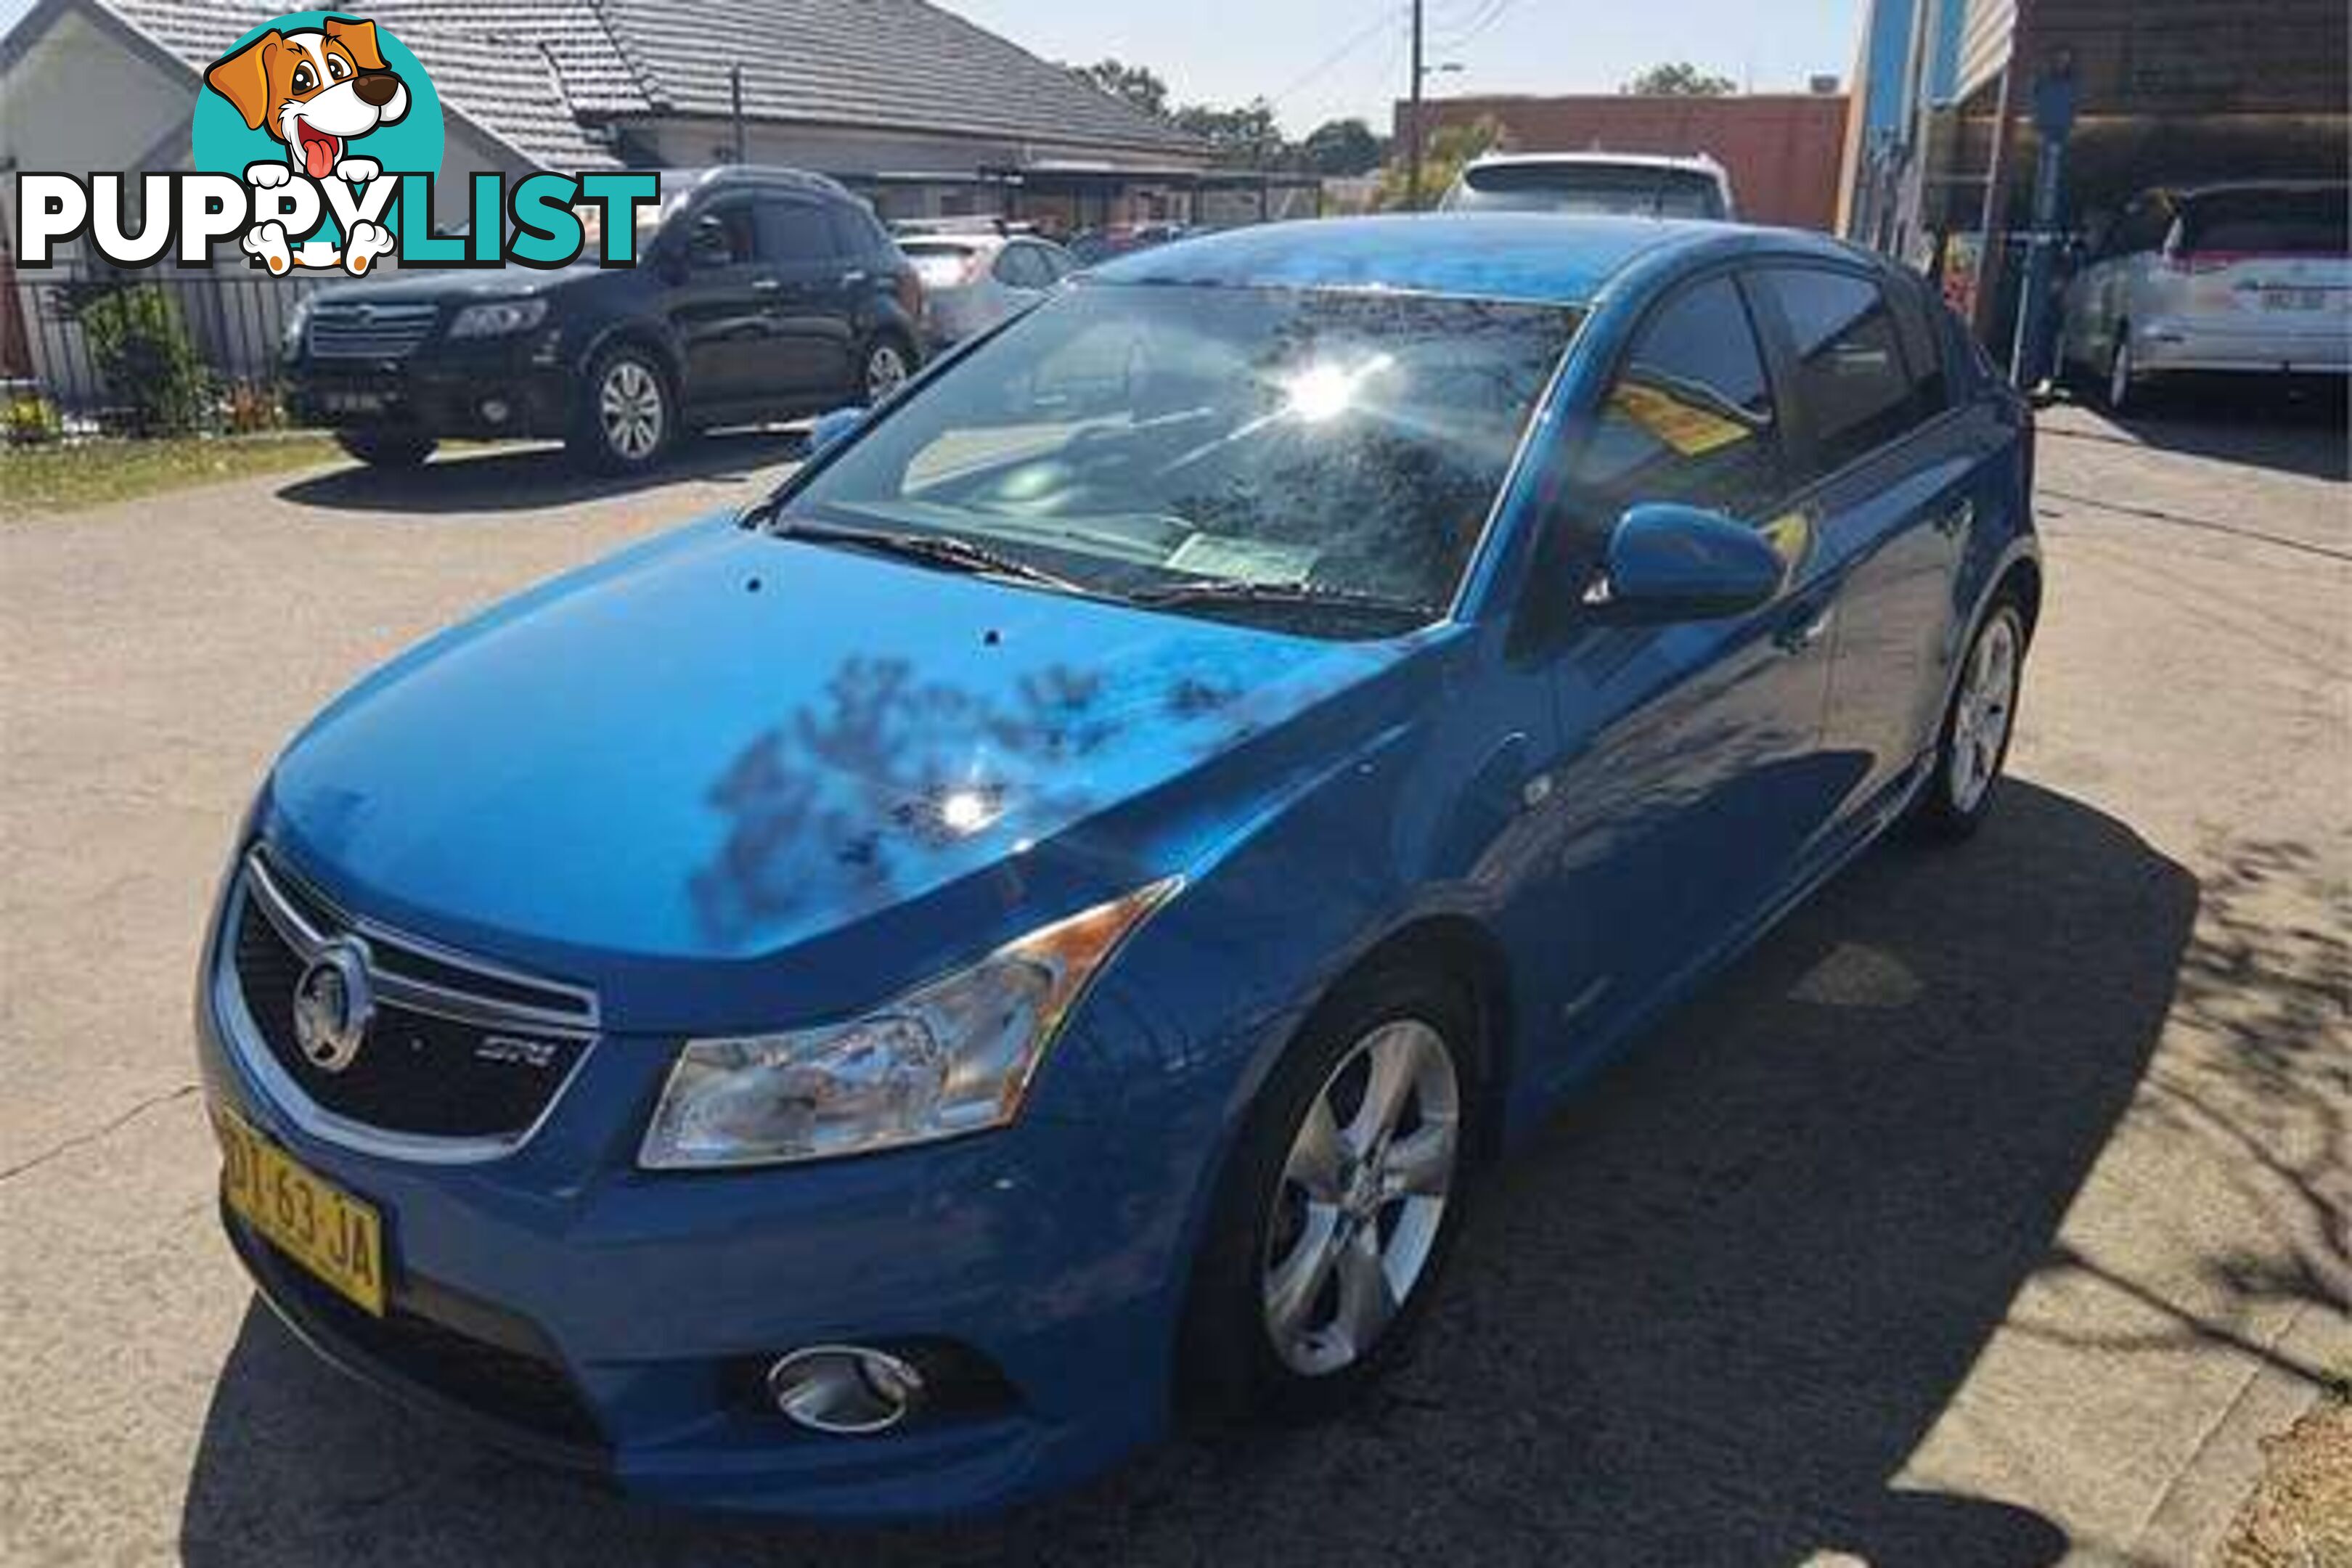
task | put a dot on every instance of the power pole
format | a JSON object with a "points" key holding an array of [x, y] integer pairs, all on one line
{"points": [[1413, 122], [735, 92]]}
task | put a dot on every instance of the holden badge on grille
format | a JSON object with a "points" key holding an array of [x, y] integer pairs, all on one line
{"points": [[332, 1006]]}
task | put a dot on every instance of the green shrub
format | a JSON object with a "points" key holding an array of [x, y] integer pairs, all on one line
{"points": [[149, 364], [27, 419]]}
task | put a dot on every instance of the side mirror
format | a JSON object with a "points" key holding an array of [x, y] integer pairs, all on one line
{"points": [[1672, 562], [831, 429]]}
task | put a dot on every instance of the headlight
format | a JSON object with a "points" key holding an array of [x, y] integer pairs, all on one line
{"points": [[498, 319], [951, 1056]]}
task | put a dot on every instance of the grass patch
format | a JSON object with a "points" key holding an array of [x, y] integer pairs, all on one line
{"points": [[51, 478]]}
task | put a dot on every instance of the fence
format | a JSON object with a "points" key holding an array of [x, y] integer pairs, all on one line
{"points": [[65, 347]]}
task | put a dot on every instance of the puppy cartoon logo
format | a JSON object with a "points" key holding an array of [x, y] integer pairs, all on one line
{"points": [[317, 143], [316, 90]]}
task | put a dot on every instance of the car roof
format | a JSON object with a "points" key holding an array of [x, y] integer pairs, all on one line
{"points": [[2246, 187], [956, 239], [680, 181], [1699, 162], [1540, 258]]}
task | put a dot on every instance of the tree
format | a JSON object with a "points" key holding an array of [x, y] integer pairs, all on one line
{"points": [[1341, 147], [1248, 137], [1679, 79], [1138, 84], [1446, 148]]}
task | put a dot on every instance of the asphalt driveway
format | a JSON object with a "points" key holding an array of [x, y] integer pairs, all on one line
{"points": [[1989, 1213]]}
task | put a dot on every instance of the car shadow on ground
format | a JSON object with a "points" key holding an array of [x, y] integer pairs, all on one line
{"points": [[1706, 1318], [2292, 426], [525, 478]]}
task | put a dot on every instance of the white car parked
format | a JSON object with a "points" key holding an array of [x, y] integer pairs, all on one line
{"points": [[975, 277], [2253, 277], [1636, 185]]}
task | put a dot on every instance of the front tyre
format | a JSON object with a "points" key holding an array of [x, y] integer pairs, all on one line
{"points": [[386, 447], [1977, 725], [1338, 1205], [883, 369], [627, 416]]}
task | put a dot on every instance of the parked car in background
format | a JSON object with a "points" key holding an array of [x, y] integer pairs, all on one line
{"points": [[979, 275], [2253, 277], [759, 294], [865, 1005], [1632, 184], [1095, 246]]}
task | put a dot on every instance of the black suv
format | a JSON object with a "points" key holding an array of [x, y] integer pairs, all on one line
{"points": [[758, 294]]}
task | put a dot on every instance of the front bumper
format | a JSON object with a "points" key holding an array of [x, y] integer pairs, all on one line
{"points": [[583, 1313], [495, 388]]}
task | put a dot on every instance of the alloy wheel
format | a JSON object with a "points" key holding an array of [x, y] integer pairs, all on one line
{"points": [[1361, 1197], [630, 410], [886, 371], [1981, 722]]}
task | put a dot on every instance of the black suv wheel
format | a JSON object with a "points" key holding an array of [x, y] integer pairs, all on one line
{"points": [[626, 413]]}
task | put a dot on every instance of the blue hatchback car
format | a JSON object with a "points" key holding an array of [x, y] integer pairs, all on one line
{"points": [[869, 1007]]}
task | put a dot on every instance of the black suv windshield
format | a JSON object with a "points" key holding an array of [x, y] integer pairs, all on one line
{"points": [[1261, 453]]}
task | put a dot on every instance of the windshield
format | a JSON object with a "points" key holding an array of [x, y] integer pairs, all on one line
{"points": [[591, 222], [1141, 439], [1621, 190]]}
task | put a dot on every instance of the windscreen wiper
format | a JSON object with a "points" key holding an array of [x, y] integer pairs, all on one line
{"points": [[950, 551], [1305, 595]]}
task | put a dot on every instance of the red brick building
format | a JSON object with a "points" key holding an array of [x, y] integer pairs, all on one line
{"points": [[1783, 150]]}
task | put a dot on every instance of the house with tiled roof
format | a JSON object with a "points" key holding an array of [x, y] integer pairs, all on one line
{"points": [[899, 98]]}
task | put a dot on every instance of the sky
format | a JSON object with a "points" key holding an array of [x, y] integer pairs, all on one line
{"points": [[1322, 60]]}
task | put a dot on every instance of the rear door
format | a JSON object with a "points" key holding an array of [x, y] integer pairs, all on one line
{"points": [[1890, 482], [814, 302]]}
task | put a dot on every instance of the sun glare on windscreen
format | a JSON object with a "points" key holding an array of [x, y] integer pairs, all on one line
{"points": [[1325, 390]]}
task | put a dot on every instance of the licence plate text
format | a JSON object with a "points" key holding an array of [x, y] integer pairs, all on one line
{"points": [[326, 1230]]}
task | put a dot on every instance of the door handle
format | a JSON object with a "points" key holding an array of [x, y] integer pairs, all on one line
{"points": [[1805, 626], [853, 276], [766, 285]]}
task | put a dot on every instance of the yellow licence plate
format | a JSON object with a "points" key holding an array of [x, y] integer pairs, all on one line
{"points": [[335, 1236]]}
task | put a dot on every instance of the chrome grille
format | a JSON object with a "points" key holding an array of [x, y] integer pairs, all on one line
{"points": [[463, 1059], [361, 329]]}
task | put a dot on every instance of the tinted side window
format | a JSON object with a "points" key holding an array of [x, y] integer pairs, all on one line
{"points": [[797, 231], [851, 235], [1923, 348], [1850, 381], [1690, 418], [722, 237]]}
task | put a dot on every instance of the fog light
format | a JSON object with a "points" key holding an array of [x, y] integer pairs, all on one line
{"points": [[494, 410], [845, 1389]]}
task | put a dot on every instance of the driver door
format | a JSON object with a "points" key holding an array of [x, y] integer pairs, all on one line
{"points": [[1689, 789]]}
